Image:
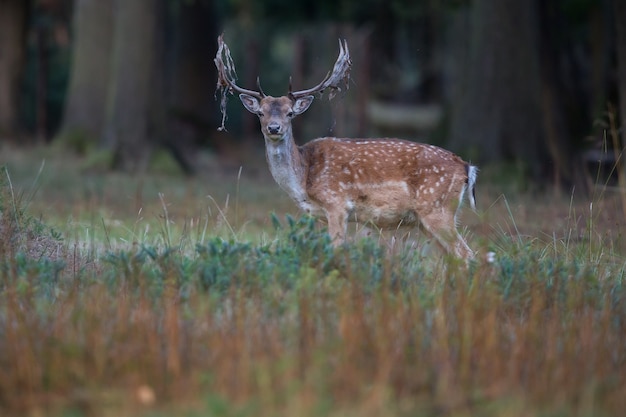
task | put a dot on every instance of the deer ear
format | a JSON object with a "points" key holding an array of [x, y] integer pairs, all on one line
{"points": [[250, 102], [302, 104]]}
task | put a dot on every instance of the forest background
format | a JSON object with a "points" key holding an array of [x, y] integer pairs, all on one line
{"points": [[150, 266], [531, 86]]}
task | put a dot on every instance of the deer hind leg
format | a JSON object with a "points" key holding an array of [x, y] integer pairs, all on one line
{"points": [[441, 225]]}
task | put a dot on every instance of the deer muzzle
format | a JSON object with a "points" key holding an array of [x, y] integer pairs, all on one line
{"points": [[273, 128]]}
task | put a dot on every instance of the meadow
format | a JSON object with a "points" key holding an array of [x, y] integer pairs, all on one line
{"points": [[161, 295]]}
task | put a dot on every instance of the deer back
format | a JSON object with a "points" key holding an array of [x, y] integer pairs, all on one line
{"points": [[383, 180]]}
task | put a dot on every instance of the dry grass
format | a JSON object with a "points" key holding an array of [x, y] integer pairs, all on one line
{"points": [[198, 307]]}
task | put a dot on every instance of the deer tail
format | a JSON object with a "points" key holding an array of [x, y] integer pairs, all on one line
{"points": [[472, 173]]}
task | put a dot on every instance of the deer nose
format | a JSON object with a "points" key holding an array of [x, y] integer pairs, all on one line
{"points": [[273, 128]]}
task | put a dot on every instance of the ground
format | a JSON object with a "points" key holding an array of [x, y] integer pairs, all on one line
{"points": [[169, 295]]}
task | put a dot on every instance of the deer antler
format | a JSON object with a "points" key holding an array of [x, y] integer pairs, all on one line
{"points": [[226, 76], [333, 80]]}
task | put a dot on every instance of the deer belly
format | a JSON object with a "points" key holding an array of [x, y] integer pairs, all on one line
{"points": [[385, 207], [385, 217]]}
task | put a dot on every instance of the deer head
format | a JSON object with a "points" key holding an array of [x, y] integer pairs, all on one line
{"points": [[276, 113]]}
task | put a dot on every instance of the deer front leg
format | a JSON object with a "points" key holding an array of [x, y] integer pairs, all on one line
{"points": [[337, 225]]}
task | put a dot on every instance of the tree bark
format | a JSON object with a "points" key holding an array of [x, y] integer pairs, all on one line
{"points": [[556, 130], [496, 115], [620, 26], [128, 115], [191, 71], [189, 74], [12, 43], [90, 69]]}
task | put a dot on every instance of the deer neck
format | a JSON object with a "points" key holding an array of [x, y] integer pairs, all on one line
{"points": [[286, 166]]}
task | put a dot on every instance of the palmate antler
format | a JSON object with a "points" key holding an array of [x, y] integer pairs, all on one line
{"points": [[333, 80], [226, 75]]}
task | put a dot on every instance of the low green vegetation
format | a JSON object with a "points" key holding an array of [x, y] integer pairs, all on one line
{"points": [[224, 318]]}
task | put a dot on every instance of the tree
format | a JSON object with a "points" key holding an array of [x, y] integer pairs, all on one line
{"points": [[187, 68], [13, 14], [142, 77], [556, 126], [90, 68], [496, 114], [620, 25], [131, 84]]}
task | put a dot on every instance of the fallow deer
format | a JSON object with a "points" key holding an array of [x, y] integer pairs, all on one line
{"points": [[383, 182]]}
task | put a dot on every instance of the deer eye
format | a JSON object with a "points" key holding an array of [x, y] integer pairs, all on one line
{"points": [[260, 114], [290, 114]]}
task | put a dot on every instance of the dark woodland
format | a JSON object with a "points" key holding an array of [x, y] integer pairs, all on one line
{"points": [[531, 86]]}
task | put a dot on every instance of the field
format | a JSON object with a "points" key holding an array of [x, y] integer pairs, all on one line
{"points": [[170, 296]]}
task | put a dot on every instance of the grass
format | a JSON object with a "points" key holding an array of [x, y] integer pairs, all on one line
{"points": [[167, 296]]}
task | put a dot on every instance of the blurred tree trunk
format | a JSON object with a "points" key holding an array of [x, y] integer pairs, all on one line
{"points": [[497, 114], [128, 115], [91, 62], [620, 26], [13, 14], [553, 97], [602, 48], [189, 75], [142, 77]]}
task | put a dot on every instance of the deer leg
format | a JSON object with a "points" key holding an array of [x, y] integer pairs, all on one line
{"points": [[337, 225], [441, 225]]}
